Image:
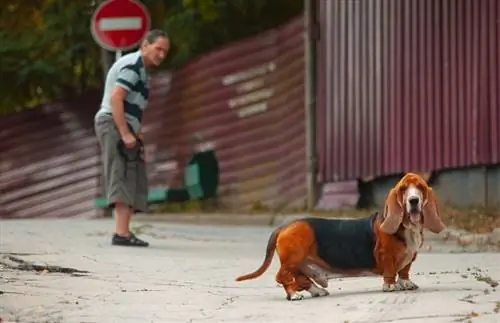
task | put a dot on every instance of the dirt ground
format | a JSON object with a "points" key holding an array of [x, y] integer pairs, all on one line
{"points": [[187, 275]]}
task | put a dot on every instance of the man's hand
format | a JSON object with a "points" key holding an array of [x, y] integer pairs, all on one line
{"points": [[129, 140]]}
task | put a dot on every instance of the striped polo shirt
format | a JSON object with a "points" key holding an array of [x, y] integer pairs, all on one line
{"points": [[129, 73]]}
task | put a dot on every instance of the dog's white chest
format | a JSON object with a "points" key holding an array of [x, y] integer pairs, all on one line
{"points": [[413, 239]]}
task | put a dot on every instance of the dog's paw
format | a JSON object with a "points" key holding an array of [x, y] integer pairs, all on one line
{"points": [[321, 280], [389, 287], [295, 297], [315, 291], [406, 284]]}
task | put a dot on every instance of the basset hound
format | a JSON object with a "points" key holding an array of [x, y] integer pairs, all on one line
{"points": [[314, 250]]}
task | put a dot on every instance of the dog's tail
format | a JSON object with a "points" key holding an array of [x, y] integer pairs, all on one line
{"points": [[271, 246]]}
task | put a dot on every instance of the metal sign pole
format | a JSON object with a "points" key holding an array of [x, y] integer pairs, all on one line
{"points": [[310, 104], [118, 54]]}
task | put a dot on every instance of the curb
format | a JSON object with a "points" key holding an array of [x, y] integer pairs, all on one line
{"points": [[269, 220], [464, 238], [461, 237]]}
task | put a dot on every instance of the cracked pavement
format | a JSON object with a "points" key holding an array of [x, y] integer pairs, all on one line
{"points": [[187, 275]]}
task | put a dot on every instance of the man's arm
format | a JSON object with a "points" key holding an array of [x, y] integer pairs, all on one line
{"points": [[127, 79]]}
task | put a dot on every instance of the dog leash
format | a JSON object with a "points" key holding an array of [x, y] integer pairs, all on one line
{"points": [[130, 154]]}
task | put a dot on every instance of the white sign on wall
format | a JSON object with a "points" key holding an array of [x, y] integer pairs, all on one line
{"points": [[252, 95]]}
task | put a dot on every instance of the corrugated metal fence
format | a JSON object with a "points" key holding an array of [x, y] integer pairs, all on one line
{"points": [[407, 86], [48, 161], [246, 100], [403, 86]]}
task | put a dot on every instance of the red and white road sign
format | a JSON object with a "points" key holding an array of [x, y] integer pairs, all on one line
{"points": [[118, 25]]}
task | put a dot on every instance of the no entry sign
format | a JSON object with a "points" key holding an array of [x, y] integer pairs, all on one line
{"points": [[119, 25]]}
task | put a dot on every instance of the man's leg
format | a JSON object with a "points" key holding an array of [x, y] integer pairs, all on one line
{"points": [[123, 213], [123, 236], [128, 193], [120, 183], [123, 194]]}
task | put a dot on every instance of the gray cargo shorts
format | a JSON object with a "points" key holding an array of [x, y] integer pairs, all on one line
{"points": [[124, 171]]}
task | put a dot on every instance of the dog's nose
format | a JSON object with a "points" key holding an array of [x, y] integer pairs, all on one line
{"points": [[414, 201]]}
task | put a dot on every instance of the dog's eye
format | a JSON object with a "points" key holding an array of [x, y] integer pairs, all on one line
{"points": [[421, 188]]}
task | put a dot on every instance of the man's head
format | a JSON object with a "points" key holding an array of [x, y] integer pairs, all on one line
{"points": [[155, 47]]}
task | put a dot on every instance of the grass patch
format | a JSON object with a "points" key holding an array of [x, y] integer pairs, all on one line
{"points": [[473, 219]]}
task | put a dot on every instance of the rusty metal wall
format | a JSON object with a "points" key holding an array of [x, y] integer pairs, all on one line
{"points": [[248, 101], [49, 161], [407, 86]]}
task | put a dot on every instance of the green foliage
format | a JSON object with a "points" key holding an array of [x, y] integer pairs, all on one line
{"points": [[48, 53], [199, 26]]}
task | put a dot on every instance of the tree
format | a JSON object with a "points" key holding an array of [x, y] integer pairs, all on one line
{"points": [[48, 53]]}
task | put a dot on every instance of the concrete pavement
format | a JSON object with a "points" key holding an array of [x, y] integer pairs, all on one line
{"points": [[187, 275]]}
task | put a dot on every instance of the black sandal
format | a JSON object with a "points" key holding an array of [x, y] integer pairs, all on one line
{"points": [[131, 241]]}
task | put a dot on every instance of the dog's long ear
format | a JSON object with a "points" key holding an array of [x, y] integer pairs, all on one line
{"points": [[393, 212], [432, 220]]}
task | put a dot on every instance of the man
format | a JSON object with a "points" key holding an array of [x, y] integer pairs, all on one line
{"points": [[118, 129]]}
